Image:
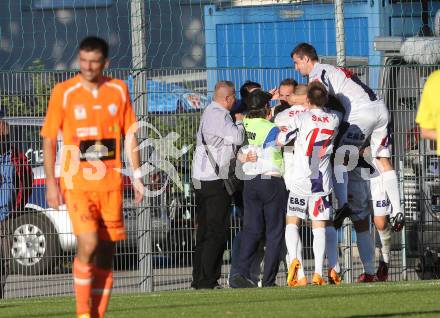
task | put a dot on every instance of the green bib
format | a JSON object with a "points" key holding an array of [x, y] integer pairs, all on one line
{"points": [[262, 134]]}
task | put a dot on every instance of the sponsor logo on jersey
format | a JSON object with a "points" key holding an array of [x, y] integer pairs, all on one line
{"points": [[113, 109], [296, 208], [355, 135], [320, 119], [251, 135], [104, 149], [297, 201], [80, 112], [97, 107], [293, 113], [87, 131], [382, 203], [318, 208], [113, 128]]}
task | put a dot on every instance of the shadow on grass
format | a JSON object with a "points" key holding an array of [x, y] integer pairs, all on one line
{"points": [[399, 314], [209, 302], [3, 306]]}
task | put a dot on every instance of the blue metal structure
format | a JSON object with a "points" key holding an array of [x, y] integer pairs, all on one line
{"points": [[263, 36]]}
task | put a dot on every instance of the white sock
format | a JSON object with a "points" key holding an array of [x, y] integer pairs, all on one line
{"points": [[366, 251], [385, 244], [299, 249], [294, 246], [331, 248], [292, 237], [340, 182], [391, 187], [319, 248]]}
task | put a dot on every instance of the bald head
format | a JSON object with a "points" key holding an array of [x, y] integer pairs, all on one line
{"points": [[4, 128], [224, 94], [301, 89], [4, 134]]}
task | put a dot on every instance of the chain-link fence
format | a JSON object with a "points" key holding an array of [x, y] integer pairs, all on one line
{"points": [[157, 255]]}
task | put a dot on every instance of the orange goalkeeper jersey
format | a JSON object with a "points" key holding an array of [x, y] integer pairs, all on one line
{"points": [[92, 124]]}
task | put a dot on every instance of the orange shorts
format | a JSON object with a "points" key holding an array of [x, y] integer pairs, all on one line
{"points": [[99, 212]]}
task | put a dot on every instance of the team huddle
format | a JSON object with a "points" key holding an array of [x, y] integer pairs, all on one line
{"points": [[329, 141], [299, 156]]}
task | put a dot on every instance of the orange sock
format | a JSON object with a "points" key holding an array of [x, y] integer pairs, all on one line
{"points": [[102, 287], [82, 282]]}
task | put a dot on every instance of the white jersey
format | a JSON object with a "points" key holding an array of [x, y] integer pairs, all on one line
{"points": [[313, 132], [282, 119], [344, 85]]}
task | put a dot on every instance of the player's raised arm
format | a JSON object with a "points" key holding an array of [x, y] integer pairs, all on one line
{"points": [[288, 133]]}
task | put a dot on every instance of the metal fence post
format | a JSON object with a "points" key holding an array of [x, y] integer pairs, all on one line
{"points": [[145, 251], [340, 33], [347, 251], [403, 232], [138, 40]]}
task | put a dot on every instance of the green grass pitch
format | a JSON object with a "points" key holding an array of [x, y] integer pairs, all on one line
{"points": [[402, 299]]}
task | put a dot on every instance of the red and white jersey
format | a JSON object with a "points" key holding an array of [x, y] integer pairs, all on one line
{"points": [[344, 85], [282, 119], [313, 132]]}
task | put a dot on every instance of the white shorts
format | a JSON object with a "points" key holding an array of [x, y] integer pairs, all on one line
{"points": [[380, 201], [370, 123], [316, 208], [366, 196]]}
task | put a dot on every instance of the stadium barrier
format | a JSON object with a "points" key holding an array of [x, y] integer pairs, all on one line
{"points": [[161, 231]]}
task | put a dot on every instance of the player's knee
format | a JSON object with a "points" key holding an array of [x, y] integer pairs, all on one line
{"points": [[87, 248], [293, 220]]}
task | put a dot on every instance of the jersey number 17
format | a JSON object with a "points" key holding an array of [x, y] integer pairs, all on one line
{"points": [[313, 134]]}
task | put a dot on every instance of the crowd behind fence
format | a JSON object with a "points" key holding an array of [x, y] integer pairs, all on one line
{"points": [[161, 231]]}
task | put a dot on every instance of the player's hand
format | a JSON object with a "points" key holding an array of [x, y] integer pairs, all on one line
{"points": [[251, 156], [138, 187], [53, 194], [397, 222], [239, 116], [275, 93]]}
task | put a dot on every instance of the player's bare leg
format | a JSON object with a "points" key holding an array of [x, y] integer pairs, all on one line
{"points": [[366, 250], [295, 275], [318, 229]]}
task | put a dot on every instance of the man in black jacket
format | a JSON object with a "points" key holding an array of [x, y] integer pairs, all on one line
{"points": [[15, 187]]}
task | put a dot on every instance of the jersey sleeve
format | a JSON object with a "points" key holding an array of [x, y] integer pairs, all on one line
{"points": [[54, 115], [129, 120], [289, 133], [327, 75], [425, 114], [271, 137]]}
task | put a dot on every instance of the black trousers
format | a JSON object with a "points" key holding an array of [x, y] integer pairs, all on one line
{"points": [[265, 203], [5, 254], [213, 203]]}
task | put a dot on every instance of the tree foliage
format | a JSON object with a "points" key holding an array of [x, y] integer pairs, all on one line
{"points": [[30, 92]]}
